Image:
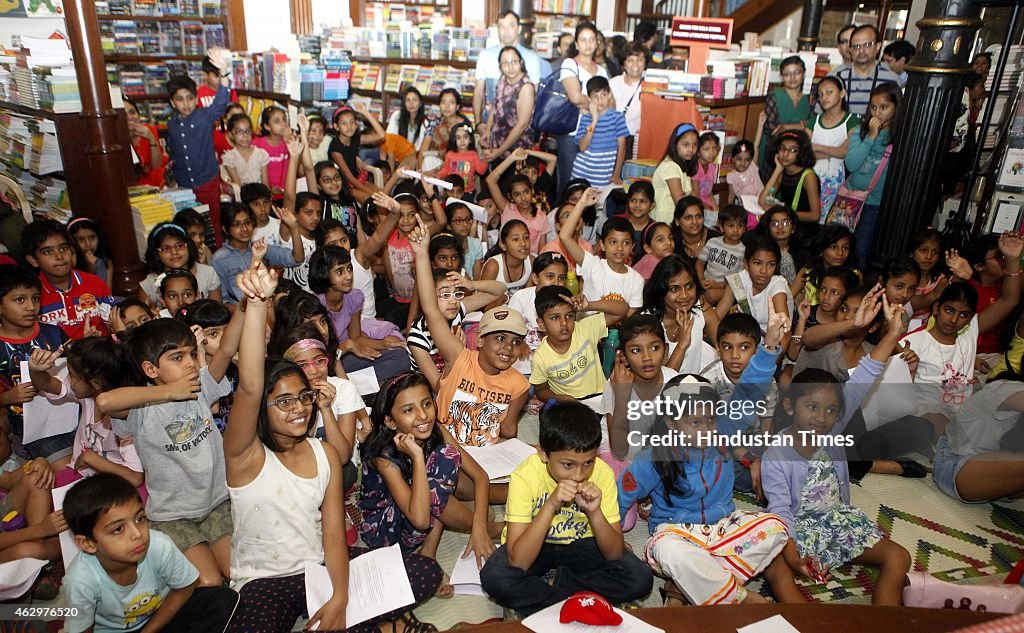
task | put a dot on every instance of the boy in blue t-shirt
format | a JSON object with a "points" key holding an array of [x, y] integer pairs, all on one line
{"points": [[20, 333], [127, 577], [601, 136]]}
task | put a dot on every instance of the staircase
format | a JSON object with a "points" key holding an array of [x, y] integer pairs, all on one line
{"points": [[748, 15]]}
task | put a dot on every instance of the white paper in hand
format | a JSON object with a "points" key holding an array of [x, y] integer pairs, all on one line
{"points": [[44, 418], [774, 624], [751, 204], [68, 549], [377, 583], [17, 576], [466, 577]]}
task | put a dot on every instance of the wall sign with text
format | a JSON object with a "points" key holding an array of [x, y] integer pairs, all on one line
{"points": [[710, 32]]}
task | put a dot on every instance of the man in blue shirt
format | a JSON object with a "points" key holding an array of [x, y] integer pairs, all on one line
{"points": [[488, 70], [190, 137]]}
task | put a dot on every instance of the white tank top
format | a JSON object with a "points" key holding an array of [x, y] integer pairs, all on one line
{"points": [[277, 520], [362, 279], [512, 285]]}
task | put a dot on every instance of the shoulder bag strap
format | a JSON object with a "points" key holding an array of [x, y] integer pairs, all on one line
{"points": [[881, 167], [799, 189]]}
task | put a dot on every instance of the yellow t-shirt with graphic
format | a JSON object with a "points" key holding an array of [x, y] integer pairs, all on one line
{"points": [[530, 486], [578, 372]]}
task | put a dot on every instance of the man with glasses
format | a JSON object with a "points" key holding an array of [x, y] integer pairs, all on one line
{"points": [[865, 72], [488, 70]]}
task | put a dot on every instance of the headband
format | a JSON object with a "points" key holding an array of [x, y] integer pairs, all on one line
{"points": [[304, 345], [391, 381], [407, 195], [643, 234], [170, 225], [76, 221], [434, 237], [334, 117], [793, 135], [683, 128]]}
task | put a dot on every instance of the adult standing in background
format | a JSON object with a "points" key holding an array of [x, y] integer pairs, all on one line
{"points": [[843, 43], [575, 73], [897, 55], [646, 33], [488, 66], [561, 49], [626, 90], [512, 108], [866, 72]]}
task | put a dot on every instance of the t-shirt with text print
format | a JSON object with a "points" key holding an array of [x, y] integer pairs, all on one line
{"points": [[472, 404]]}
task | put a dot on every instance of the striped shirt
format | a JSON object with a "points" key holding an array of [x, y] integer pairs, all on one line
{"points": [[597, 162], [419, 336], [858, 88]]}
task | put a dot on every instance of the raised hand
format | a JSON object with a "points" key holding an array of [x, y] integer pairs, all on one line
{"points": [[519, 153], [578, 302], [895, 324], [1011, 245], [419, 238], [259, 248], [778, 325], [219, 57], [621, 373], [804, 310], [44, 359], [295, 145], [325, 393], [303, 125], [959, 266], [382, 199], [288, 217], [258, 283], [869, 308], [910, 357], [591, 196]]}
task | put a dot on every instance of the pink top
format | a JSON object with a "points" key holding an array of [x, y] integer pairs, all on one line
{"points": [[401, 258], [646, 265], [704, 181], [96, 436], [746, 183], [466, 164], [537, 225], [277, 169]]}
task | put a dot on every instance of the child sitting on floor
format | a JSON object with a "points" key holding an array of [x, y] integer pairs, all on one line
{"points": [[562, 514]]}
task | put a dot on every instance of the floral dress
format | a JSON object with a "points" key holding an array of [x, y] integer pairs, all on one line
{"points": [[826, 527], [831, 171], [505, 113], [383, 523]]}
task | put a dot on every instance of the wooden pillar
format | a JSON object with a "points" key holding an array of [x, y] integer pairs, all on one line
{"points": [[302, 16], [105, 153], [810, 25], [924, 123]]}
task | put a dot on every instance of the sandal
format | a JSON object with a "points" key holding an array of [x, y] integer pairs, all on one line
{"points": [[412, 624], [912, 469], [669, 591]]}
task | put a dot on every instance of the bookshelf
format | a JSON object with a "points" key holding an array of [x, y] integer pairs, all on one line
{"points": [[586, 9], [146, 41], [371, 12], [380, 79], [43, 152]]}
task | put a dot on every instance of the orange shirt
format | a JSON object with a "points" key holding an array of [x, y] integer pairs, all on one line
{"points": [[399, 146], [555, 246], [471, 404]]}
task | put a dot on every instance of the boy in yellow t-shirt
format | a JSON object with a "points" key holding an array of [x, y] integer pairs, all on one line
{"points": [[567, 365], [562, 513]]}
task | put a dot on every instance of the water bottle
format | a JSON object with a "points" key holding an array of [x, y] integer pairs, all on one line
{"points": [[12, 521], [611, 345], [572, 282]]}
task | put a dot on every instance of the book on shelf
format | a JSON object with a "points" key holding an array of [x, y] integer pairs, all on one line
{"points": [[170, 38], [575, 7], [144, 7], [214, 36], [211, 8], [168, 8], [149, 37], [189, 8], [119, 7]]}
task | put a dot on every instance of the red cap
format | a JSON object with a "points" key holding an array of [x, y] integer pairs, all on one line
{"points": [[588, 608]]}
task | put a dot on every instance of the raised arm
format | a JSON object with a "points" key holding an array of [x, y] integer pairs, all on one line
{"points": [[447, 343], [494, 178], [241, 444], [567, 234], [295, 149], [370, 247], [39, 365], [378, 132], [1010, 246], [221, 361]]}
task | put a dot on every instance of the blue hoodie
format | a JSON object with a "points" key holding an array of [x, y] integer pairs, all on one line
{"points": [[707, 488]]}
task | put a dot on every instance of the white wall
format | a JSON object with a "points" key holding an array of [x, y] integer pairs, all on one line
{"points": [[472, 12], [785, 32], [330, 13]]}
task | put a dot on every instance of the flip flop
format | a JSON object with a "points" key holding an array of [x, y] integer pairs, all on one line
{"points": [[446, 590], [912, 469]]}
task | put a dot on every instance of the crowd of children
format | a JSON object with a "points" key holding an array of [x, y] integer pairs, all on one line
{"points": [[306, 390]]}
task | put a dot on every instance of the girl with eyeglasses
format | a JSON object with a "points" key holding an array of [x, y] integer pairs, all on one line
{"points": [[267, 450], [785, 108], [169, 247], [780, 224], [245, 162], [238, 222], [793, 183]]}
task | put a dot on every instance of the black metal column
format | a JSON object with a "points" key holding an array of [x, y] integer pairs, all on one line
{"points": [[810, 25], [525, 10], [924, 123]]}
